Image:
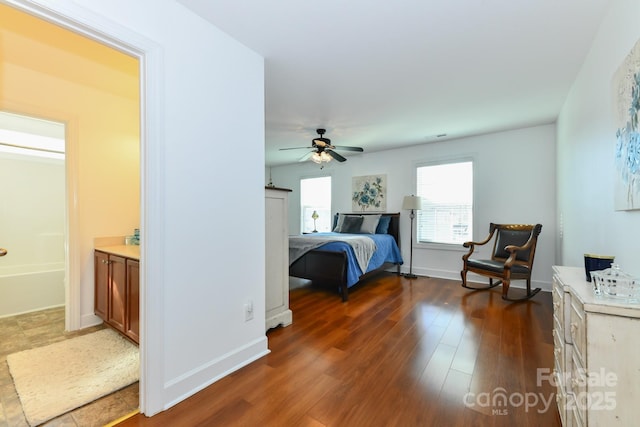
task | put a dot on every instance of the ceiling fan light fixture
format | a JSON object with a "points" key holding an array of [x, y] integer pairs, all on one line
{"points": [[323, 152], [320, 158]]}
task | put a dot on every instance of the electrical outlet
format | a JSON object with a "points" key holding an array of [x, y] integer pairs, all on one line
{"points": [[248, 311]]}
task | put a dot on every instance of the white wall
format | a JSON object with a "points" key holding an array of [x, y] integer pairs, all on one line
{"points": [[514, 183], [202, 258], [586, 142]]}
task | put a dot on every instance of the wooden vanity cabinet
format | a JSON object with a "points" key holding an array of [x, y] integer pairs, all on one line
{"points": [[132, 324], [117, 292], [101, 284]]}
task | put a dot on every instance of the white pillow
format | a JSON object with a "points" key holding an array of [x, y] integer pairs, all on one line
{"points": [[369, 223]]}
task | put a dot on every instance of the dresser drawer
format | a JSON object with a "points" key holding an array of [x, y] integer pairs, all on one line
{"points": [[578, 391], [562, 308], [558, 350], [573, 419], [561, 401], [558, 308], [577, 328]]}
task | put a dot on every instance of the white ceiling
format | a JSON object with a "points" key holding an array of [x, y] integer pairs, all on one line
{"points": [[382, 74]]}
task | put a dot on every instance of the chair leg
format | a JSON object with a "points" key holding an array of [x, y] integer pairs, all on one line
{"points": [[505, 288], [463, 273], [529, 294]]}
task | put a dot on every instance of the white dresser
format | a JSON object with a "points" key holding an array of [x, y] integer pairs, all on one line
{"points": [[597, 354], [277, 257]]}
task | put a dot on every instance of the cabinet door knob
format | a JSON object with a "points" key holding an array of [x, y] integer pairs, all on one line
{"points": [[3, 251]]}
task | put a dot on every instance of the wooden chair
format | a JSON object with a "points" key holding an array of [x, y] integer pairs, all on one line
{"points": [[514, 248]]}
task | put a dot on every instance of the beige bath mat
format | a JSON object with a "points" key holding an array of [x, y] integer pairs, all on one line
{"points": [[60, 377]]}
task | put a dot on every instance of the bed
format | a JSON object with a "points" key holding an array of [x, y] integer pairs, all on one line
{"points": [[332, 259]]}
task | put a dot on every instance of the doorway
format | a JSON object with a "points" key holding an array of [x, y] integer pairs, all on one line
{"points": [[32, 218], [94, 89]]}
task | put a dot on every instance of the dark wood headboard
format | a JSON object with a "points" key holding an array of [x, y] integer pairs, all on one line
{"points": [[394, 225]]}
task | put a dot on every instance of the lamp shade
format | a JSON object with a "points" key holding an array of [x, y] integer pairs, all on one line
{"points": [[321, 157], [412, 202]]}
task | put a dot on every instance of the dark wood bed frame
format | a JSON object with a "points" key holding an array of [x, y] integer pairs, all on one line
{"points": [[328, 268]]}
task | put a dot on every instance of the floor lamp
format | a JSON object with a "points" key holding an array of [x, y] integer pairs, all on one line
{"points": [[412, 203]]}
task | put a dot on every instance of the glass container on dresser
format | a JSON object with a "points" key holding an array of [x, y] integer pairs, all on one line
{"points": [[597, 368]]}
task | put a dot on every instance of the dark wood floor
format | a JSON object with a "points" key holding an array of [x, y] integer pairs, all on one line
{"points": [[400, 352]]}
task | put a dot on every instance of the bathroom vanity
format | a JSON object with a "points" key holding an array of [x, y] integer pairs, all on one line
{"points": [[117, 288]]}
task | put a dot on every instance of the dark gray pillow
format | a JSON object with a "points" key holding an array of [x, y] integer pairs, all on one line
{"points": [[351, 224], [340, 221]]}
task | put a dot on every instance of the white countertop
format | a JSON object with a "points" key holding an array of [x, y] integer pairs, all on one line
{"points": [[575, 278], [126, 251]]}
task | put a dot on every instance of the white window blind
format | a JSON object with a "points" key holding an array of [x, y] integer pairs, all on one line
{"points": [[315, 195], [446, 190]]}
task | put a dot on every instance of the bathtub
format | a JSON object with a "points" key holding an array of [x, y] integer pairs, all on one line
{"points": [[26, 288]]}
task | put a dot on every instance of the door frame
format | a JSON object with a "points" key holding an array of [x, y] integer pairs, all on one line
{"points": [[87, 23]]}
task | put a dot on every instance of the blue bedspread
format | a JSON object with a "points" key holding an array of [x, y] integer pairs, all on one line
{"points": [[387, 251]]}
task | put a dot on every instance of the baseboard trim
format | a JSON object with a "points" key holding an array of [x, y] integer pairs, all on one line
{"points": [[203, 376], [474, 278]]}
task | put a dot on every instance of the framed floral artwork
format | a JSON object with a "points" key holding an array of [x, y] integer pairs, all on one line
{"points": [[369, 193], [626, 94]]}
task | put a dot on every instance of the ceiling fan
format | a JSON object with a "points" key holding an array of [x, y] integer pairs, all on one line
{"points": [[322, 150]]}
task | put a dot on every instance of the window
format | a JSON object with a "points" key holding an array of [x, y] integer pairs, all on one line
{"points": [[446, 190], [315, 196]]}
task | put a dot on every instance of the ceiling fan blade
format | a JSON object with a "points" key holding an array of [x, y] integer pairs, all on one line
{"points": [[306, 156], [335, 155], [295, 148], [341, 147]]}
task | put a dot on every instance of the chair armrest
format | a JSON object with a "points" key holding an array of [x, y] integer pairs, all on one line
{"points": [[472, 245], [513, 250]]}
